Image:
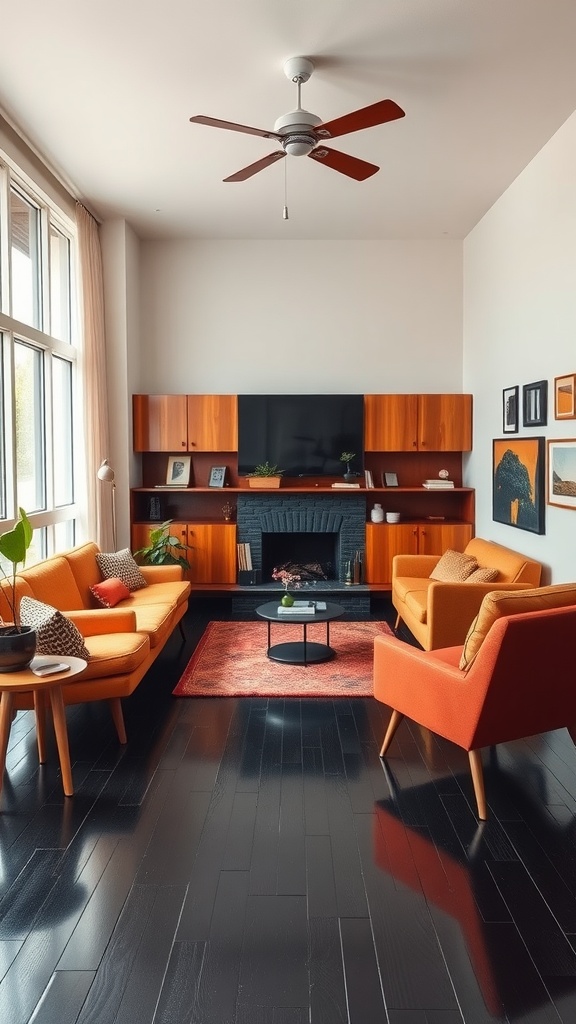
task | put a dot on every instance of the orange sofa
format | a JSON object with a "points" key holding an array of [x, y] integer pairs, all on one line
{"points": [[438, 614], [123, 641]]}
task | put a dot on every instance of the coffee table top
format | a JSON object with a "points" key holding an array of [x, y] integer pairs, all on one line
{"points": [[270, 612]]}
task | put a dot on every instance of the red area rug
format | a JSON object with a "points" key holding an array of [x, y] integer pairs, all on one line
{"points": [[230, 661]]}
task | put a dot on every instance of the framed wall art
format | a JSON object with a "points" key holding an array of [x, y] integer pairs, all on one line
{"points": [[561, 472], [510, 397], [564, 397], [178, 473], [535, 404], [518, 482]]}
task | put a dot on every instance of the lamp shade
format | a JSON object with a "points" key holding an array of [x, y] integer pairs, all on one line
{"points": [[106, 472]]}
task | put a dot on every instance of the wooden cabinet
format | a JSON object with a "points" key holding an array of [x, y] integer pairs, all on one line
{"points": [[213, 554], [192, 423], [384, 540], [424, 423]]}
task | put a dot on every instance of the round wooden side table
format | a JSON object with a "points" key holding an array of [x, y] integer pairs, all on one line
{"points": [[40, 686]]}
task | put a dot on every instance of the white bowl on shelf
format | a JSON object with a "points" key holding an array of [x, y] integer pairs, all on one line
{"points": [[392, 517]]}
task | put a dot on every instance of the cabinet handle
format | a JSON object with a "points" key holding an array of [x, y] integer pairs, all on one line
{"points": [[422, 443], [414, 444], [183, 443]]}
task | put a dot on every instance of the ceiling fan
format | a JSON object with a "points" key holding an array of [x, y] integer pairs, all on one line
{"points": [[303, 134]]}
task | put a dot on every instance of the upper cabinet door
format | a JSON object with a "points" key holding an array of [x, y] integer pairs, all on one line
{"points": [[212, 423], [445, 423], [160, 423], [390, 423]]}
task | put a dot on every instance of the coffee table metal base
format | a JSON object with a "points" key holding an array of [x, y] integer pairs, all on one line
{"points": [[301, 652]]}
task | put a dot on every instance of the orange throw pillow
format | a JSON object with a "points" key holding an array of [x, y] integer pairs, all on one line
{"points": [[110, 592]]}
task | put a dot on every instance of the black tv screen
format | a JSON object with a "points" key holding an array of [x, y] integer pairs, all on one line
{"points": [[304, 435]]}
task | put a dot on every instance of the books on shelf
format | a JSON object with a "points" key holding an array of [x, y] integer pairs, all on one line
{"points": [[438, 485], [369, 479], [344, 485], [244, 556]]}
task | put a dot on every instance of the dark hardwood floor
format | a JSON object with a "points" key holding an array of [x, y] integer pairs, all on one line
{"points": [[254, 862]]}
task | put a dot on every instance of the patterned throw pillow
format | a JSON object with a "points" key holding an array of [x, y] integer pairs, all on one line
{"points": [[55, 634], [110, 592], [121, 565], [454, 567], [484, 574]]}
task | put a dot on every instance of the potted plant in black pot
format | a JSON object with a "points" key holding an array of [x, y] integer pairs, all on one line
{"points": [[347, 457], [17, 642]]}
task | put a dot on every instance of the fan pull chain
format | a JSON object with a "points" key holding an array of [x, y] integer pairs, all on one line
{"points": [[285, 210]]}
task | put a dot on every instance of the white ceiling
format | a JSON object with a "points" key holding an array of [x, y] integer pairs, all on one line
{"points": [[105, 91]]}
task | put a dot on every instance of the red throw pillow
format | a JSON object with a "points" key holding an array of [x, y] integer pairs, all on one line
{"points": [[110, 592]]}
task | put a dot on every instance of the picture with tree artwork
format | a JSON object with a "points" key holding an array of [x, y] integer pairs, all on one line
{"points": [[518, 483]]}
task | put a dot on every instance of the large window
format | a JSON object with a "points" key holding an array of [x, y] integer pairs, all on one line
{"points": [[39, 417]]}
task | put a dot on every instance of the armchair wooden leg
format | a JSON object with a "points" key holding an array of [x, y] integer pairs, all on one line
{"points": [[390, 731], [475, 758], [115, 705]]}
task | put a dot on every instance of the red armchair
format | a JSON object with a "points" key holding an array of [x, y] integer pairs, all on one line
{"points": [[521, 683]]}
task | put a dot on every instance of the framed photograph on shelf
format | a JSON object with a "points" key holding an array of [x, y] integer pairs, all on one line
{"points": [[217, 476], [535, 404], [518, 482], [561, 475], [178, 474], [564, 397], [389, 480], [510, 398]]}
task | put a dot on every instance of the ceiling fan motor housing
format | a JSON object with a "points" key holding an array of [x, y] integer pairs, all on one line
{"points": [[295, 129]]}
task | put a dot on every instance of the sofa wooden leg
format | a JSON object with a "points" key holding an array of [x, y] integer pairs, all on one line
{"points": [[475, 758], [390, 731], [181, 628], [118, 718], [397, 623]]}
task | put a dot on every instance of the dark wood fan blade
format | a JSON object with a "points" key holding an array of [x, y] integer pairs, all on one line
{"points": [[367, 117], [350, 165], [231, 126], [247, 172]]}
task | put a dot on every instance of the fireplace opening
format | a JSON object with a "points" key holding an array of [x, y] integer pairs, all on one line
{"points": [[312, 556]]}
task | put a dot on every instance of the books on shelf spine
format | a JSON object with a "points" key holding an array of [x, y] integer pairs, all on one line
{"points": [[438, 485], [346, 486], [296, 611]]}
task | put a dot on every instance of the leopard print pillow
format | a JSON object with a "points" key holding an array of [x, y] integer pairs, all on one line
{"points": [[55, 634], [122, 566]]}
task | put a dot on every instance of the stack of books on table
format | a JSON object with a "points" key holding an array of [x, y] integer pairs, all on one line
{"points": [[438, 484], [302, 608]]}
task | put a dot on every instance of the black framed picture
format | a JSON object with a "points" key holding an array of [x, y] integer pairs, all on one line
{"points": [[510, 397], [217, 476], [518, 482], [535, 404], [389, 480]]}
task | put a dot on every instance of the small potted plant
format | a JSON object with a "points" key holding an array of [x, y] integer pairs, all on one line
{"points": [[348, 457], [287, 579], [17, 642], [265, 475], [164, 548]]}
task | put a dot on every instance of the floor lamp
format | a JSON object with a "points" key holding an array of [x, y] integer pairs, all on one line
{"points": [[106, 473]]}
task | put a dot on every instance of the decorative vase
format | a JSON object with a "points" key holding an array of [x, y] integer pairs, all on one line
{"points": [[16, 649], [287, 600], [377, 514], [349, 477]]}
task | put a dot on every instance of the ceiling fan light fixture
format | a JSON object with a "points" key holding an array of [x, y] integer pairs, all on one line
{"points": [[298, 145]]}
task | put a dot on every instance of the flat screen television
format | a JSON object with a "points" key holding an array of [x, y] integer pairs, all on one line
{"points": [[304, 435]]}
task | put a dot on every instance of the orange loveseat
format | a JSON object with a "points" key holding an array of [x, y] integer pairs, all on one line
{"points": [[122, 641], [438, 614]]}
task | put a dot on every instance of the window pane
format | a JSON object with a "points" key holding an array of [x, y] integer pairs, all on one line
{"points": [[62, 431], [30, 434], [64, 535], [60, 289], [25, 251], [2, 435]]}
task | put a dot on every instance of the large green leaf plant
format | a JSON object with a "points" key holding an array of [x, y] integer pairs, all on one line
{"points": [[13, 547], [164, 548]]}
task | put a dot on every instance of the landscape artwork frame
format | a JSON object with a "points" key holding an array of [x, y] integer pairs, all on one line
{"points": [[510, 410], [565, 397], [561, 472], [518, 475], [535, 404]]}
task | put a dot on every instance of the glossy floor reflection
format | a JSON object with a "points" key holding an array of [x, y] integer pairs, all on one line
{"points": [[254, 861]]}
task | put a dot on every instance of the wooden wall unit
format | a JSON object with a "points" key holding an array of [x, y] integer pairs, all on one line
{"points": [[413, 436]]}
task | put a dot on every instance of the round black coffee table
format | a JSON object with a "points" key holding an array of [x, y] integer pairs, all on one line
{"points": [[300, 652]]}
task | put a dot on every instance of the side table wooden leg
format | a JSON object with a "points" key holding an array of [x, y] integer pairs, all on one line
{"points": [[5, 723], [59, 716], [40, 711]]}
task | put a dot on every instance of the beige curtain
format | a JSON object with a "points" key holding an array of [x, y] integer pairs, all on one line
{"points": [[99, 495]]}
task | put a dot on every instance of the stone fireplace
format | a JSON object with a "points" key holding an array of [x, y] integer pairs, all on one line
{"points": [[327, 528]]}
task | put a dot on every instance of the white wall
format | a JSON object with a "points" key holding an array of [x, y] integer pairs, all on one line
{"points": [[520, 327], [288, 316]]}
